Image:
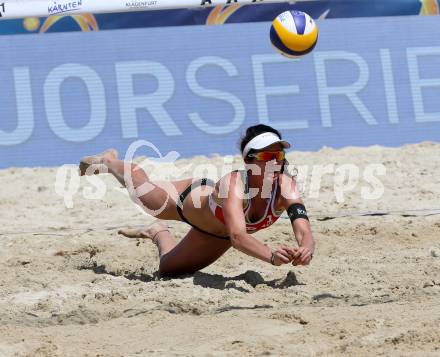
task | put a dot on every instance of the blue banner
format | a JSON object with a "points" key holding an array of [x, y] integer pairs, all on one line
{"points": [[194, 89]]}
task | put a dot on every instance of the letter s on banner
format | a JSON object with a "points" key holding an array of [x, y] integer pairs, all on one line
{"points": [[196, 88]]}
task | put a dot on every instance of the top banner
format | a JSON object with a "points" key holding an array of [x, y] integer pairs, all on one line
{"points": [[39, 16], [21, 9]]}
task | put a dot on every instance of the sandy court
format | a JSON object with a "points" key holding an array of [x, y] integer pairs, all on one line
{"points": [[71, 286]]}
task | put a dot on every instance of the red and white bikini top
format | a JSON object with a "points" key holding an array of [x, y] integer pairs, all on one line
{"points": [[270, 215]]}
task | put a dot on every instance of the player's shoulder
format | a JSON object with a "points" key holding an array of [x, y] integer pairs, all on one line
{"points": [[233, 179], [232, 175]]}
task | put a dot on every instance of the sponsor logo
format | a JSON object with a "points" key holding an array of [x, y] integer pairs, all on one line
{"points": [[140, 4], [301, 211], [62, 7], [2, 9]]}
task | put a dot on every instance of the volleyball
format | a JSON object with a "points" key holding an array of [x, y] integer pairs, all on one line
{"points": [[293, 33]]}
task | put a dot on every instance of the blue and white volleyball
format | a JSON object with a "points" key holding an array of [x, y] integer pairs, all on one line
{"points": [[293, 33]]}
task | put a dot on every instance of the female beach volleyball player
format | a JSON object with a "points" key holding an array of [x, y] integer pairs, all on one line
{"points": [[222, 214]]}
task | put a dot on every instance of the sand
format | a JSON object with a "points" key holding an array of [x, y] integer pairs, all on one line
{"points": [[71, 286]]}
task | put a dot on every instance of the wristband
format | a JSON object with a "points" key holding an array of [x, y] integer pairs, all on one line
{"points": [[297, 210]]}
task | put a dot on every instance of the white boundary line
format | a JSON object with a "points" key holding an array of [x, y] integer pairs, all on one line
{"points": [[404, 213]]}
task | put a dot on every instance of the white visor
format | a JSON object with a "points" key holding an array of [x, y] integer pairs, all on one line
{"points": [[264, 140]]}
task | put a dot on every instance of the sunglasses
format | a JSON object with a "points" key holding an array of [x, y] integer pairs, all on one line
{"points": [[269, 155]]}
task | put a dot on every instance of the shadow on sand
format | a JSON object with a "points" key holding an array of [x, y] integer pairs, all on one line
{"points": [[206, 280]]}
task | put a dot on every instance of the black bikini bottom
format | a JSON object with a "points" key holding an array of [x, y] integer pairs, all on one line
{"points": [[186, 192]]}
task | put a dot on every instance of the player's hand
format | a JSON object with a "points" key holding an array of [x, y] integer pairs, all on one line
{"points": [[303, 256], [284, 255]]}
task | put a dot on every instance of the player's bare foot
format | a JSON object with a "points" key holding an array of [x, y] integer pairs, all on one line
{"points": [[150, 232], [94, 164]]}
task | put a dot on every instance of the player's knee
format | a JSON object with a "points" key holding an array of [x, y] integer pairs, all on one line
{"points": [[168, 269]]}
